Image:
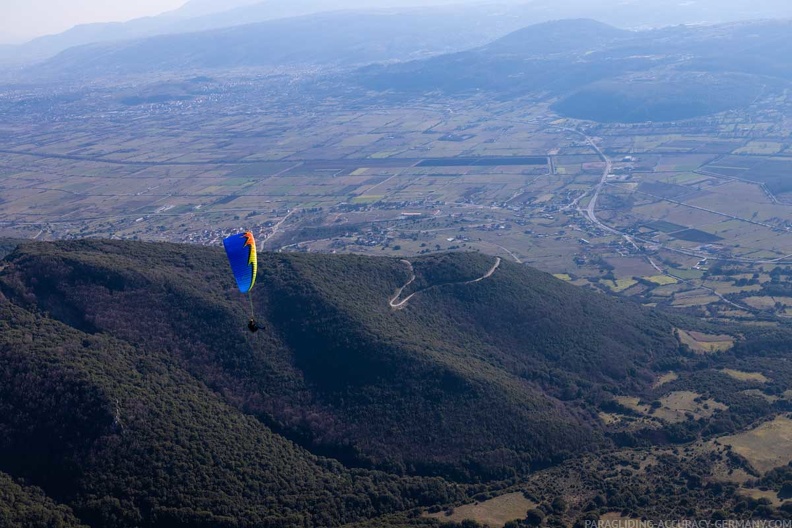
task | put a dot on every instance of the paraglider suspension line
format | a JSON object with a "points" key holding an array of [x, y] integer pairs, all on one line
{"points": [[252, 315]]}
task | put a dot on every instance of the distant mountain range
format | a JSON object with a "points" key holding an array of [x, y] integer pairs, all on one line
{"points": [[330, 39], [195, 15], [207, 15], [601, 73], [588, 69], [202, 15]]}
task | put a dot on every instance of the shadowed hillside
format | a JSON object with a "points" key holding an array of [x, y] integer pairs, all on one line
{"points": [[460, 383], [127, 437], [22, 505]]}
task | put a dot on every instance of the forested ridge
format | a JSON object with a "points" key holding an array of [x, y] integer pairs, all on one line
{"points": [[132, 394]]}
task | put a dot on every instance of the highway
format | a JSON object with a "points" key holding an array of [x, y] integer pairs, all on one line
{"points": [[590, 212]]}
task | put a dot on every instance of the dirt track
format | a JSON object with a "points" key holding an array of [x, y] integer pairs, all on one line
{"points": [[401, 304]]}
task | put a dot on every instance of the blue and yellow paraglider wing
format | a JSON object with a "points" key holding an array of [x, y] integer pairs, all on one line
{"points": [[241, 251]]}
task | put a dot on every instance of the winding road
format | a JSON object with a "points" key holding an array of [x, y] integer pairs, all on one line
{"points": [[396, 304]]}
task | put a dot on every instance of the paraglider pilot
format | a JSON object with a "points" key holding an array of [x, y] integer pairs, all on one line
{"points": [[241, 252]]}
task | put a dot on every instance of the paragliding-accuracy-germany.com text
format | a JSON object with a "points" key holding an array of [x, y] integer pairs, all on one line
{"points": [[688, 523]]}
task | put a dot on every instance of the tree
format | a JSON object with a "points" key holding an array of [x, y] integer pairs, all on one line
{"points": [[559, 505], [535, 517]]}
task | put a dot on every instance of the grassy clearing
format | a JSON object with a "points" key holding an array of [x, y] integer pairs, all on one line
{"points": [[722, 470], [494, 512], [695, 298], [745, 376], [633, 403], [614, 517], [675, 407], [767, 447], [701, 343], [665, 378], [563, 276], [767, 303], [757, 494], [682, 405], [760, 394]]}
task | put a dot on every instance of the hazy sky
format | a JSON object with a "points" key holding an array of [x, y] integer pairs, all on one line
{"points": [[24, 19]]}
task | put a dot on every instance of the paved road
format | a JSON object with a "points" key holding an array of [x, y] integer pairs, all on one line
{"points": [[592, 206], [591, 213]]}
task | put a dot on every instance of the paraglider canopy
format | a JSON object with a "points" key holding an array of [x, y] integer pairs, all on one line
{"points": [[241, 251]]}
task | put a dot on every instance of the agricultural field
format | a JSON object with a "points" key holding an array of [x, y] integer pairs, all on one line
{"points": [[701, 343], [504, 177]]}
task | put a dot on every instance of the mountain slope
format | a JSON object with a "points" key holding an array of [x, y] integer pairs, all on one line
{"points": [[196, 15], [128, 438], [293, 34], [593, 71], [132, 395], [545, 57], [22, 505], [193, 16], [329, 39], [196, 8], [458, 383], [557, 37]]}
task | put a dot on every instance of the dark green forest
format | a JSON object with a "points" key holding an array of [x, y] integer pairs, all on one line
{"points": [[131, 393]]}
